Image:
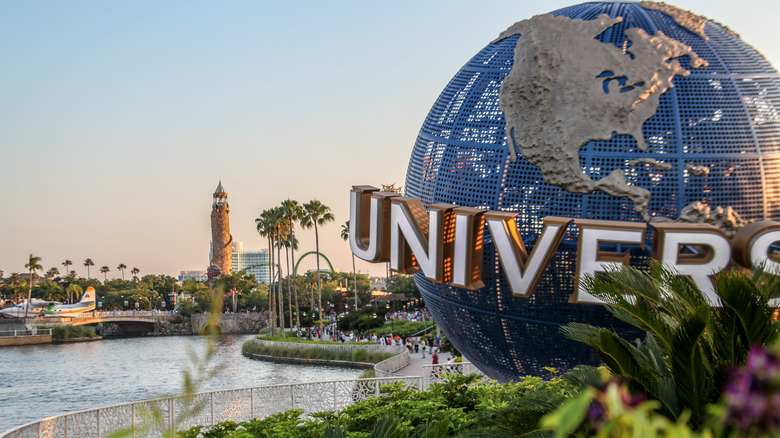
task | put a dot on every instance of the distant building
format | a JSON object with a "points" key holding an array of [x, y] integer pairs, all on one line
{"points": [[254, 262], [193, 275]]}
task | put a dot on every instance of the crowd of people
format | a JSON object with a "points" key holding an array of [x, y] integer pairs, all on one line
{"points": [[417, 315], [428, 345]]}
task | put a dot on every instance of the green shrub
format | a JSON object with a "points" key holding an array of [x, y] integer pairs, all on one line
{"points": [[688, 345], [280, 350], [452, 408], [293, 339], [359, 355], [185, 308], [65, 332]]}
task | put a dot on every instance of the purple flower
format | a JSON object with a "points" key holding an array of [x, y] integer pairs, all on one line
{"points": [[597, 412], [752, 392]]}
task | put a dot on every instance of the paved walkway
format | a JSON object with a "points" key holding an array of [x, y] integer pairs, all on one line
{"points": [[416, 362]]}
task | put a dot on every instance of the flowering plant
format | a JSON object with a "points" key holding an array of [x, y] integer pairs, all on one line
{"points": [[752, 395]]}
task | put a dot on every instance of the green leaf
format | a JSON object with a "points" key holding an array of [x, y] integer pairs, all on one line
{"points": [[334, 432], [693, 382], [386, 427], [569, 416], [437, 429]]}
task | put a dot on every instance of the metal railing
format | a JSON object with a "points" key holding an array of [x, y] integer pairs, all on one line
{"points": [[436, 373], [179, 413], [33, 332], [176, 413], [425, 330], [123, 313], [387, 367]]}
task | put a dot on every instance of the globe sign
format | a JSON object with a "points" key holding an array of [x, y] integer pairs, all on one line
{"points": [[606, 111]]}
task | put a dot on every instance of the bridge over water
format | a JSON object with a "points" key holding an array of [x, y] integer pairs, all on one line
{"points": [[119, 323], [115, 317]]}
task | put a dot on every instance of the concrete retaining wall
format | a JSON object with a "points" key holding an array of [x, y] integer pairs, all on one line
{"points": [[302, 361], [234, 323], [348, 347], [387, 367], [229, 323], [382, 369], [8, 341]]}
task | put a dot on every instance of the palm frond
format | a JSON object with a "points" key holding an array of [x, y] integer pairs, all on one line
{"points": [[631, 296], [622, 359], [438, 429], [692, 381], [583, 377], [746, 319], [387, 427], [585, 333]]}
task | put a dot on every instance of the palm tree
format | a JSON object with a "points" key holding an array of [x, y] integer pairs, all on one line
{"points": [[316, 214], [66, 263], [689, 345], [287, 247], [267, 229], [34, 264], [293, 211], [122, 268], [345, 236], [135, 272], [104, 270], [15, 279], [75, 290], [88, 263], [51, 273], [280, 223]]}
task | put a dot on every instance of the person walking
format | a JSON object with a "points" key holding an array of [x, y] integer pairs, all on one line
{"points": [[423, 345]]}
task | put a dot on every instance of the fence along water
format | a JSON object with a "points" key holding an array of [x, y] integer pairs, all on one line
{"points": [[233, 404]]}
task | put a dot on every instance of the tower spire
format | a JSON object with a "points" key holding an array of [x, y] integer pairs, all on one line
{"points": [[221, 240]]}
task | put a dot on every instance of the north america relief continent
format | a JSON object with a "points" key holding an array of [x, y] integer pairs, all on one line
{"points": [[556, 100]]}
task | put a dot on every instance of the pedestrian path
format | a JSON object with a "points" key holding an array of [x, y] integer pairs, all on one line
{"points": [[416, 362]]}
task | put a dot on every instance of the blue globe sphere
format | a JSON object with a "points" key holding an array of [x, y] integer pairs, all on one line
{"points": [[716, 131]]}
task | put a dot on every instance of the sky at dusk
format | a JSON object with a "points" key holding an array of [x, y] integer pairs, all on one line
{"points": [[118, 119]]}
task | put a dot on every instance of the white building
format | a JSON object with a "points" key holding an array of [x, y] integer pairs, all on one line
{"points": [[254, 262], [194, 275]]}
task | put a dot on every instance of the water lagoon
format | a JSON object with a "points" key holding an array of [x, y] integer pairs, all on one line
{"points": [[44, 380]]}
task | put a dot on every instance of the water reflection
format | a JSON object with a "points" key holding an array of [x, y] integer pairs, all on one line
{"points": [[39, 381]]}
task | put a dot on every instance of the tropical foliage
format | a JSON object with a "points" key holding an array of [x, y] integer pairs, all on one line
{"points": [[696, 371], [365, 319], [87, 264], [280, 350], [682, 361], [65, 332], [583, 403], [750, 407], [403, 284], [458, 407], [315, 215], [34, 264]]}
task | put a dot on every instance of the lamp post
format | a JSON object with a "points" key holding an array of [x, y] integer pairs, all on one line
{"points": [[354, 284], [392, 315]]}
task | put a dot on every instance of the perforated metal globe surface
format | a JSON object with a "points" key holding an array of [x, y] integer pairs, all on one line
{"points": [[711, 140]]}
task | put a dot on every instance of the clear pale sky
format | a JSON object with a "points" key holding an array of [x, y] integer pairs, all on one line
{"points": [[118, 119]]}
